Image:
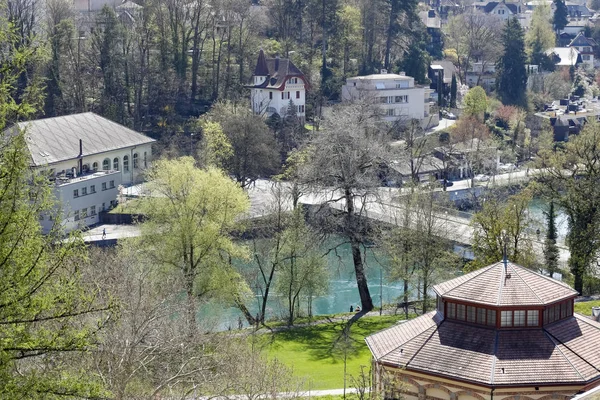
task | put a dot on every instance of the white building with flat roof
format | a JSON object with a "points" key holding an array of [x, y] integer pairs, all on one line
{"points": [[396, 94], [87, 157]]}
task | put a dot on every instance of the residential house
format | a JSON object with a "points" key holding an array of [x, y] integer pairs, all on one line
{"points": [[276, 85], [482, 74], [502, 332], [87, 157], [440, 74], [565, 57], [465, 159], [396, 95], [433, 23], [586, 47], [504, 10], [399, 173]]}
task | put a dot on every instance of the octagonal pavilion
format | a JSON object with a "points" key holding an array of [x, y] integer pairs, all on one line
{"points": [[501, 332]]}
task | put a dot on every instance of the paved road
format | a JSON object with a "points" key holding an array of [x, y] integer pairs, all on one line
{"points": [[384, 208]]}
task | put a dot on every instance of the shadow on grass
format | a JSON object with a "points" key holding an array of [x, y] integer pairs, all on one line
{"points": [[330, 342]]}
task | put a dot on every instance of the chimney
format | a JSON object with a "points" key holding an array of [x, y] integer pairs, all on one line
{"points": [[80, 157], [277, 63], [596, 313]]}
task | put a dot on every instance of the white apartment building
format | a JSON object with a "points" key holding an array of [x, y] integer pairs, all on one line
{"points": [[87, 157], [396, 94], [275, 83]]}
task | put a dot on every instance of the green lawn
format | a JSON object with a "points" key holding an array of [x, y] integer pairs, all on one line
{"points": [[316, 353], [585, 307]]}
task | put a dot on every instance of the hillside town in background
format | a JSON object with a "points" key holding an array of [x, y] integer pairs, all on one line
{"points": [[249, 199]]}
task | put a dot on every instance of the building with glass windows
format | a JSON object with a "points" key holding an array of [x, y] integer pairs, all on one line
{"points": [[396, 95], [278, 87], [501, 332], [87, 157]]}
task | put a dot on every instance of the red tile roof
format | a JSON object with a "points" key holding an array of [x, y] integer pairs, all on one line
{"points": [[565, 352], [277, 72], [492, 285]]}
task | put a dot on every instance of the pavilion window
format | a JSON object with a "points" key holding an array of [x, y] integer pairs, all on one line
{"points": [[481, 316], [519, 318], [471, 314], [506, 318], [533, 317], [460, 312], [563, 309], [491, 317], [451, 310]]}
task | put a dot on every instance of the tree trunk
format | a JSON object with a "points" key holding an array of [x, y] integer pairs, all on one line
{"points": [[405, 295], [359, 269]]}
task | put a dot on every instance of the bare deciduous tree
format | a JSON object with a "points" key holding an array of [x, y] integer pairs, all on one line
{"points": [[342, 164]]}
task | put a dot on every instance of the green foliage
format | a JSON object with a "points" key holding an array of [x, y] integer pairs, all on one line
{"points": [[512, 76], [46, 312], [561, 15], [190, 216], [418, 256], [216, 149], [571, 179], [540, 37], [551, 252], [255, 151], [475, 103], [303, 272], [503, 222], [453, 89]]}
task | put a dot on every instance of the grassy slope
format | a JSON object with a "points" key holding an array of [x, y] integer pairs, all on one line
{"points": [[585, 307], [317, 352]]}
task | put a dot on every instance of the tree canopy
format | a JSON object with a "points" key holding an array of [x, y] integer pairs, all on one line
{"points": [[190, 214], [511, 82]]}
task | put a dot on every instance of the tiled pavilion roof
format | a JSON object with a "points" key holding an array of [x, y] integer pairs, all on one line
{"points": [[565, 352], [496, 285]]}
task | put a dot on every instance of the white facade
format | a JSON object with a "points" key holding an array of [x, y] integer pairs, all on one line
{"points": [[268, 101], [502, 11], [87, 157], [82, 196], [396, 95], [81, 199], [129, 162]]}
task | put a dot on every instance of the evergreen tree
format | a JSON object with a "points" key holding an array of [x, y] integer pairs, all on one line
{"points": [[550, 248], [512, 76], [561, 15], [453, 90]]}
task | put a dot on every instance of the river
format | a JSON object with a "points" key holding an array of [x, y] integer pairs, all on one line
{"points": [[341, 295]]}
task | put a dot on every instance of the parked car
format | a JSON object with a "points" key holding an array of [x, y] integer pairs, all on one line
{"points": [[507, 167], [481, 178], [448, 115]]}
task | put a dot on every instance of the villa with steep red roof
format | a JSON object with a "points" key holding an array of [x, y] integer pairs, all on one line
{"points": [[502, 332], [276, 85]]}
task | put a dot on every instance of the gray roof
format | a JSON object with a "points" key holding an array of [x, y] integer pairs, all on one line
{"points": [[567, 56], [52, 140]]}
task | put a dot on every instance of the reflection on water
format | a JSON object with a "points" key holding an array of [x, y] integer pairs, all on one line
{"points": [[538, 208], [342, 292]]}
